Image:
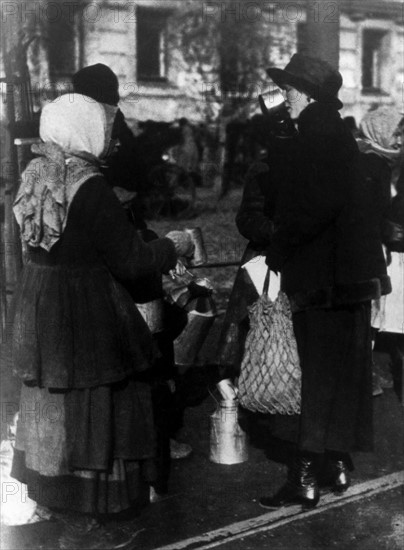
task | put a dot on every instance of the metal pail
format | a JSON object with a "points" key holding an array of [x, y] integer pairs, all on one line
{"points": [[200, 256], [189, 343], [153, 313], [228, 442]]}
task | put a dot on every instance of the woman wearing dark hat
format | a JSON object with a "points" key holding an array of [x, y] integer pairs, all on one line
{"points": [[126, 170], [327, 248]]}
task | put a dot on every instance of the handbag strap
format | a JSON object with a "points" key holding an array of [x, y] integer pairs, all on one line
{"points": [[266, 283]]}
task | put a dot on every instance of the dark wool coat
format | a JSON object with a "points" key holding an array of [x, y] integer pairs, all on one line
{"points": [[74, 324], [326, 240]]}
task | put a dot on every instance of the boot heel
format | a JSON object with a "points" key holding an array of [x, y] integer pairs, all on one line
{"points": [[342, 479], [301, 487], [310, 497], [336, 473]]}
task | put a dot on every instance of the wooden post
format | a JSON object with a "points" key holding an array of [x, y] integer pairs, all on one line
{"points": [[11, 240], [16, 106]]}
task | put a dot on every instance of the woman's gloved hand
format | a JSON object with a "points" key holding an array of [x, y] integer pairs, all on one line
{"points": [[182, 240]]}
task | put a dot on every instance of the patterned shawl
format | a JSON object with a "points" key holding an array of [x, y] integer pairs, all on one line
{"points": [[75, 131]]}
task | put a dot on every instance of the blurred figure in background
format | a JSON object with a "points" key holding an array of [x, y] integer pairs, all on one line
{"points": [[126, 171], [381, 146]]}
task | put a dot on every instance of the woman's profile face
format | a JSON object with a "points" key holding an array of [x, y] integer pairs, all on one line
{"points": [[295, 101]]}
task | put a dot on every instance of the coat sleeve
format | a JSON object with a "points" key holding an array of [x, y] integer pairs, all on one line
{"points": [[251, 220], [117, 240], [308, 209]]}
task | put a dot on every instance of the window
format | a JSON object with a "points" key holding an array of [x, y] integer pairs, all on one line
{"points": [[61, 48], [375, 54], [151, 44]]}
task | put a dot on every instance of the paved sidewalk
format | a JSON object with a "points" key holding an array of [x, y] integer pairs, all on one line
{"points": [[205, 497]]}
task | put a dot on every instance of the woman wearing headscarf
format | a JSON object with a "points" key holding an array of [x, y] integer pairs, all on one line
{"points": [[85, 435], [328, 250], [381, 157]]}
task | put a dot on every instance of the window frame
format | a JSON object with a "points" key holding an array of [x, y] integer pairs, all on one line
{"points": [[162, 49], [375, 73], [384, 28]]}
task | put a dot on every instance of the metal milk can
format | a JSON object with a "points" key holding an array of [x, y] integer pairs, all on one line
{"points": [[228, 441], [153, 313]]}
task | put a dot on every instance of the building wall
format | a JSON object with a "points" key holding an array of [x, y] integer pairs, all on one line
{"points": [[106, 32], [112, 40], [356, 102]]}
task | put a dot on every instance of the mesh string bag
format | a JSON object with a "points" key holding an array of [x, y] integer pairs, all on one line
{"points": [[270, 375]]}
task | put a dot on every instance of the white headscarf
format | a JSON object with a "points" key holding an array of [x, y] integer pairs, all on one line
{"points": [[76, 132], [76, 123]]}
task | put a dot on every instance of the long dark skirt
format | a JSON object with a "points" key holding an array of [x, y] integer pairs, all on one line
{"points": [[88, 450], [335, 353]]}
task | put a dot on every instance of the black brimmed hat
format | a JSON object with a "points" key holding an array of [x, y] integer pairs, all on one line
{"points": [[310, 75]]}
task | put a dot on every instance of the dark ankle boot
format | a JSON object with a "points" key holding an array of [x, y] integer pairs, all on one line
{"points": [[300, 488], [337, 472], [341, 476]]}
